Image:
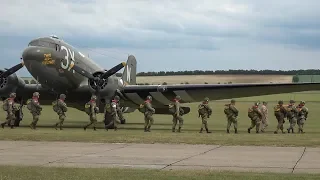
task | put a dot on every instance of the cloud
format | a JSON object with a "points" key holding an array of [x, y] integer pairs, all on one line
{"points": [[234, 29]]}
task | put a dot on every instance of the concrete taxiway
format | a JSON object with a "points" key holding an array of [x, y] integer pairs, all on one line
{"points": [[161, 156]]}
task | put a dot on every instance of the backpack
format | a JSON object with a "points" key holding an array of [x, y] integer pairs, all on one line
{"points": [[87, 108], [55, 106], [29, 104], [142, 108], [5, 105], [250, 113], [226, 110], [172, 108], [201, 109]]}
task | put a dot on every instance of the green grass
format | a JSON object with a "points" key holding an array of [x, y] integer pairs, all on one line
{"points": [[50, 173], [132, 132]]}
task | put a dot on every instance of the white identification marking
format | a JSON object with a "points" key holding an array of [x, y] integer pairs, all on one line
{"points": [[81, 54], [121, 81], [128, 73], [69, 62]]}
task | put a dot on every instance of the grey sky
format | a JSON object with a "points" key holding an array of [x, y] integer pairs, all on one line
{"points": [[171, 35]]}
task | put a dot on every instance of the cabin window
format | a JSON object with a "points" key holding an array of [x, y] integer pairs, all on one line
{"points": [[43, 44]]}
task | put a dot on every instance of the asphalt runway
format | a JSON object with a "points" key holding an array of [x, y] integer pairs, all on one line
{"points": [[161, 156]]}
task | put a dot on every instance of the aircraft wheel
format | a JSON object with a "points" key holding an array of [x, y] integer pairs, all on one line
{"points": [[123, 121], [19, 117], [107, 120]]}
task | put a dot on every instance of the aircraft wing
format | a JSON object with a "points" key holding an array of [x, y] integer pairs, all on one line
{"points": [[163, 94]]}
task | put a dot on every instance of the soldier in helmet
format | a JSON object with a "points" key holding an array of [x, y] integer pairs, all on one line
{"points": [[111, 110], [62, 109], [177, 114], [119, 111], [302, 115], [148, 113], [292, 115], [280, 112], [11, 108], [231, 113], [264, 120], [205, 112], [255, 118], [35, 109], [93, 111]]}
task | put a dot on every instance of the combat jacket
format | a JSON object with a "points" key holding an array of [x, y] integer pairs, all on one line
{"points": [[62, 107], [35, 107], [149, 110]]}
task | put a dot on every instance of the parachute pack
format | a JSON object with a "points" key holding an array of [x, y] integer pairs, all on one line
{"points": [[250, 113], [87, 108], [172, 109], [201, 109], [5, 105], [29, 104], [142, 108], [226, 110], [55, 106]]}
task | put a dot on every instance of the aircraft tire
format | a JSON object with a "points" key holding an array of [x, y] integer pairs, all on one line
{"points": [[123, 121]]}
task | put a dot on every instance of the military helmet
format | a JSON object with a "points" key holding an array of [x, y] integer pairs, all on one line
{"points": [[302, 102], [264, 102], [292, 101], [149, 98], [206, 99], [12, 95], [178, 97], [93, 97], [62, 96], [280, 102], [36, 94], [256, 103], [117, 98], [233, 101]]}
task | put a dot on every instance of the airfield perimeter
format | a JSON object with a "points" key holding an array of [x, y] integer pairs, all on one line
{"points": [[236, 152]]}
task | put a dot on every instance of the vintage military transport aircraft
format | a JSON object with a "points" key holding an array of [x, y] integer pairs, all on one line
{"points": [[60, 68]]}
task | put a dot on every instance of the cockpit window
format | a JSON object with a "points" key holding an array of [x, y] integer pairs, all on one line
{"points": [[43, 44]]}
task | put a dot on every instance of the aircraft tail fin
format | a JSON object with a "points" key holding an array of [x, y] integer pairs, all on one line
{"points": [[130, 71]]}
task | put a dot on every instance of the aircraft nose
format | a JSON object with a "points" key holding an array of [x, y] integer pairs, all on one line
{"points": [[31, 54]]}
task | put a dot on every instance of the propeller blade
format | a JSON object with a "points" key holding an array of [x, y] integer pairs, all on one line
{"points": [[83, 72], [12, 70], [113, 70]]}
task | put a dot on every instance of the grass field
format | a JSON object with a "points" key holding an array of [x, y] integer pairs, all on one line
{"points": [[132, 132], [37, 173], [200, 79]]}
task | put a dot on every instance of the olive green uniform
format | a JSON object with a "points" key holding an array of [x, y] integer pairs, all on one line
{"points": [[204, 112], [232, 117], [280, 115], [11, 110], [256, 119], [93, 115], [177, 116], [111, 109], [35, 111], [302, 117], [292, 115], [62, 109], [148, 116]]}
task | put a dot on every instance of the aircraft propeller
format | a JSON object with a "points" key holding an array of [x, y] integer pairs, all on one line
{"points": [[99, 80], [11, 70]]}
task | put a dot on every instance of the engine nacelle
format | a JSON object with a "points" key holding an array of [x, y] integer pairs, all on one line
{"points": [[9, 84], [107, 86]]}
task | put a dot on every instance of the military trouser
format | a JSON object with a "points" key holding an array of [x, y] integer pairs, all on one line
{"points": [[204, 121], [9, 120], [120, 115], [280, 124], [264, 124], [35, 119], [114, 120], [232, 120], [255, 123], [62, 117], [93, 121], [292, 122], [175, 121], [301, 124], [148, 121]]}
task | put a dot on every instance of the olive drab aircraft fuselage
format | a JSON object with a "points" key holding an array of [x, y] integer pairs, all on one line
{"points": [[61, 68]]}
